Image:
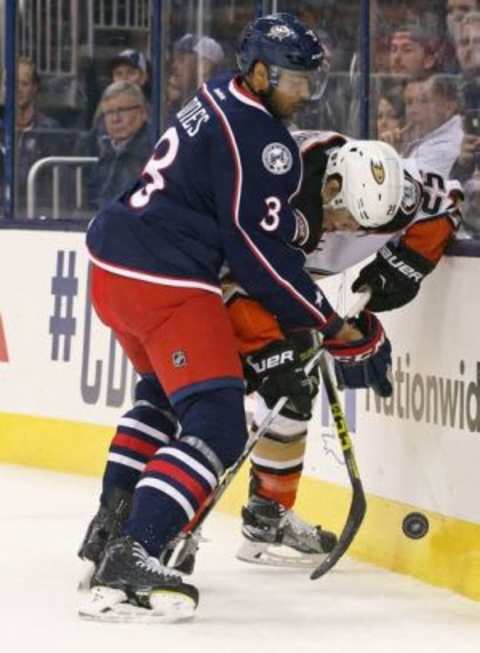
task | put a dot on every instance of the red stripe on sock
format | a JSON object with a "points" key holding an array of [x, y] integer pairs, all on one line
{"points": [[168, 469], [134, 444]]}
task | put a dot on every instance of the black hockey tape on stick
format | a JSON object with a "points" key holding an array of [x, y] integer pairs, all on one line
{"points": [[358, 505]]}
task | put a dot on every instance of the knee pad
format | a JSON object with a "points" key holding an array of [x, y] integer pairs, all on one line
{"points": [[215, 419]]}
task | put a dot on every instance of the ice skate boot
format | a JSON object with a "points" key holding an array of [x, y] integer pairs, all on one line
{"points": [[276, 536], [131, 586], [105, 525]]}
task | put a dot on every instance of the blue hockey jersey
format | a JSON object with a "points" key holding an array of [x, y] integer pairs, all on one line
{"points": [[217, 191]]}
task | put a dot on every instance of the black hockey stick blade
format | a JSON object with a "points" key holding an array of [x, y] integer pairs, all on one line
{"points": [[358, 505], [355, 517]]}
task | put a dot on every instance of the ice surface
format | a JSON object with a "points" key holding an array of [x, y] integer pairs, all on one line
{"points": [[243, 609]]}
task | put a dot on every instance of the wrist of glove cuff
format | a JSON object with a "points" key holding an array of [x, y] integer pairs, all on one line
{"points": [[354, 351], [364, 363], [394, 277]]}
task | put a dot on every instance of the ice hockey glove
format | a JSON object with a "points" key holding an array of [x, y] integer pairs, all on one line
{"points": [[365, 363], [276, 371], [394, 277]]}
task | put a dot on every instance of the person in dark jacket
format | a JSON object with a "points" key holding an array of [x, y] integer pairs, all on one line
{"points": [[123, 149], [37, 136]]}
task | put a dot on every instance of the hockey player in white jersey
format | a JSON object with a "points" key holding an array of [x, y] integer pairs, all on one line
{"points": [[364, 213]]}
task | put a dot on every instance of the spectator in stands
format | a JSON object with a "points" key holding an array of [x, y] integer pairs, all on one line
{"points": [[195, 59], [130, 66], [415, 49], [127, 66], [434, 126], [123, 149], [456, 12], [28, 117], [390, 117], [468, 45], [471, 211], [468, 54], [35, 134]]}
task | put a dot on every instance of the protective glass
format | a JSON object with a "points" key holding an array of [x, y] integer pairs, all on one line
{"points": [[310, 84]]}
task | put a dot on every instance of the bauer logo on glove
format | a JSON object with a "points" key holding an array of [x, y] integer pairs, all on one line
{"points": [[271, 362], [394, 277], [276, 371]]}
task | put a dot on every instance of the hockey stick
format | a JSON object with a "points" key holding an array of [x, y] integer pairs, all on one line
{"points": [[358, 505], [187, 541]]}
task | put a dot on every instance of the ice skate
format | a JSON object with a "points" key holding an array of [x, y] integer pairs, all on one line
{"points": [[131, 586], [105, 525], [276, 536]]}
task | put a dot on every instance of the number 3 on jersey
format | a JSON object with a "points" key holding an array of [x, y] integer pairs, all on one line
{"points": [[271, 221], [165, 152]]}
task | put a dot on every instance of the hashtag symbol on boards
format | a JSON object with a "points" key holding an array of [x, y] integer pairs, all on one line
{"points": [[64, 290]]}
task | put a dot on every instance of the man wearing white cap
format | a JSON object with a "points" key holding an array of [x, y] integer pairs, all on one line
{"points": [[195, 59]]}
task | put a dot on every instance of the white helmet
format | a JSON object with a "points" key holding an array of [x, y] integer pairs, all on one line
{"points": [[372, 181]]}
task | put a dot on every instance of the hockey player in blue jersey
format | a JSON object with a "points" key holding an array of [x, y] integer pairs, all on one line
{"points": [[218, 189]]}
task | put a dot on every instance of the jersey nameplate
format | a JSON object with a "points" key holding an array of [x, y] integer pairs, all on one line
{"points": [[193, 116]]}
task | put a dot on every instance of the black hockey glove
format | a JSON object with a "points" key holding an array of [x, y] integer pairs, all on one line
{"points": [[365, 363], [394, 277], [276, 371]]}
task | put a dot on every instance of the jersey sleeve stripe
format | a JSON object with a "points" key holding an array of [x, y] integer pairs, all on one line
{"points": [[236, 213]]}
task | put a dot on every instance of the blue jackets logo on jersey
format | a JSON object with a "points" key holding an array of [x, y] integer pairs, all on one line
{"points": [[277, 158]]}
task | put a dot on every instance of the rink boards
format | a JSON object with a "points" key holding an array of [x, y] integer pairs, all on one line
{"points": [[64, 382]]}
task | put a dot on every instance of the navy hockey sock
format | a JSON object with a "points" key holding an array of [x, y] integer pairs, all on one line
{"points": [[145, 428], [175, 484]]}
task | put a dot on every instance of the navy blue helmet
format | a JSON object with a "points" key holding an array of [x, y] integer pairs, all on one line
{"points": [[283, 41]]}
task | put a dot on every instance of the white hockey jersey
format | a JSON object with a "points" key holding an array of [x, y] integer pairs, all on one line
{"points": [[428, 196]]}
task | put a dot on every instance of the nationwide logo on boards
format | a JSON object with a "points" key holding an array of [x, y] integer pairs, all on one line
{"points": [[3, 343], [452, 401]]}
